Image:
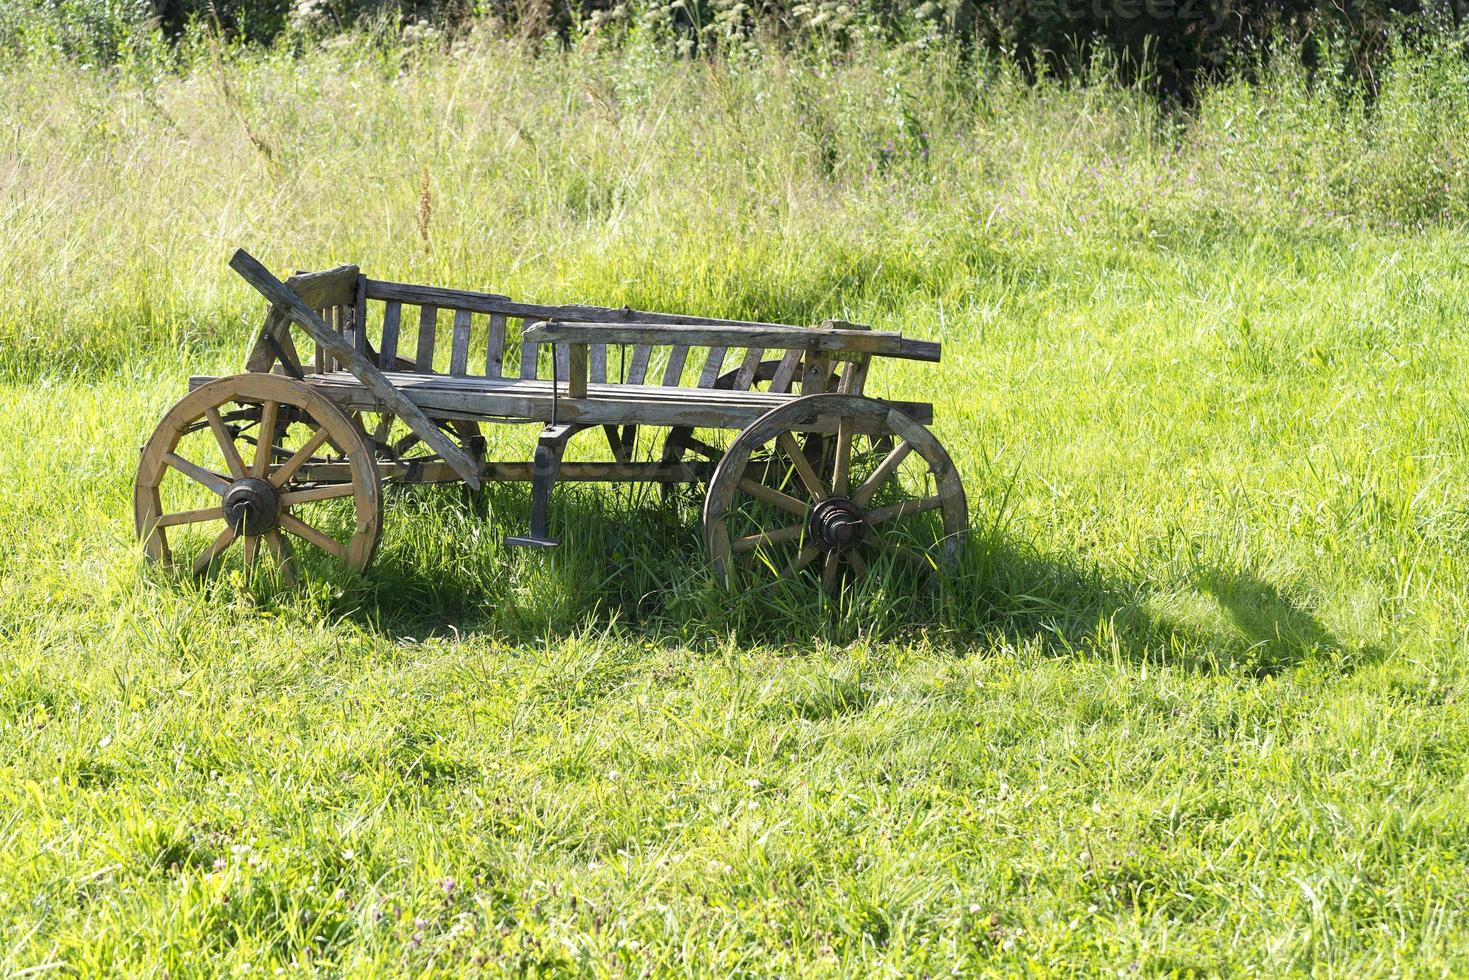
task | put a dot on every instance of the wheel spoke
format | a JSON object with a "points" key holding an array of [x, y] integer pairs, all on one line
{"points": [[858, 565], [310, 534], [813, 483], [842, 469], [191, 517], [807, 556], [903, 509], [252, 545], [215, 549], [771, 495], [265, 439], [325, 492], [197, 473], [284, 556], [829, 573], [226, 443], [754, 541], [863, 494], [286, 470]]}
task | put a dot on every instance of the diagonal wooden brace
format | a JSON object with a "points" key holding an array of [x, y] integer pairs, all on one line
{"points": [[356, 362]]}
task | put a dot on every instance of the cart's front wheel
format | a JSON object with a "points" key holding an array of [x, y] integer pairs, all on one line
{"points": [[889, 495], [238, 459]]}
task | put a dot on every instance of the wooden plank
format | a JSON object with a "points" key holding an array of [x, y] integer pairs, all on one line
{"points": [[382, 392], [322, 357], [785, 372], [328, 288], [637, 368], [495, 350], [712, 367], [529, 351], [598, 363], [452, 299], [853, 376], [428, 319], [576, 369], [459, 353], [392, 312], [563, 361], [739, 335], [748, 368], [359, 313], [522, 472], [817, 373], [534, 396], [674, 371], [447, 403]]}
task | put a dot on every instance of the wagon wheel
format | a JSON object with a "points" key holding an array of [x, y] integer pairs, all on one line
{"points": [[681, 442], [231, 462], [891, 498]]}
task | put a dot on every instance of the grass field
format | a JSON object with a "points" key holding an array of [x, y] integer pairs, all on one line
{"points": [[1194, 705]]}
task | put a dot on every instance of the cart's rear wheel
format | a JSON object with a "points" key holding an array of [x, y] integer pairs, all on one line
{"points": [[681, 444], [890, 497], [228, 463]]}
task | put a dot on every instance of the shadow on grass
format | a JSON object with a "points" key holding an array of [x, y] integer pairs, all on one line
{"points": [[631, 561]]}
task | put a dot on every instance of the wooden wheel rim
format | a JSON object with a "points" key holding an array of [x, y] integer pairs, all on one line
{"points": [[864, 415], [264, 389]]}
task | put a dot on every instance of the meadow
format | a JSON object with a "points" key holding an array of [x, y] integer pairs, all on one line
{"points": [[1193, 705]]}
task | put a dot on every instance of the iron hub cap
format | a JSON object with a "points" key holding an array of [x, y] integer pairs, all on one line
{"points": [[836, 524], [251, 506]]}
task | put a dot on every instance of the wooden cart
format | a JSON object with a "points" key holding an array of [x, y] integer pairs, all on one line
{"points": [[818, 480]]}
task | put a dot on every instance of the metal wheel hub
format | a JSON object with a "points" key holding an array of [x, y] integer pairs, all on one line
{"points": [[836, 524], [251, 506]]}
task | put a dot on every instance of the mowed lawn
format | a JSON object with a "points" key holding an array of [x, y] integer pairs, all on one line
{"points": [[1194, 704]]}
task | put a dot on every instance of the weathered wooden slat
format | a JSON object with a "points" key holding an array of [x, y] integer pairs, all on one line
{"points": [[563, 360], [392, 313], [459, 353], [478, 405], [359, 313], [495, 350], [450, 299], [576, 369], [529, 351], [739, 335], [505, 472], [674, 371], [817, 373], [637, 368], [713, 366], [853, 376], [428, 318], [323, 360], [612, 390], [411, 294], [748, 368], [650, 402], [785, 372], [379, 391], [598, 363]]}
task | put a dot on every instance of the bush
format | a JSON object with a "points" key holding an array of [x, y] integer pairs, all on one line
{"points": [[1171, 44]]}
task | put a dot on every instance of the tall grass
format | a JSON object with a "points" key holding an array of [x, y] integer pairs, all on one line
{"points": [[1195, 703]]}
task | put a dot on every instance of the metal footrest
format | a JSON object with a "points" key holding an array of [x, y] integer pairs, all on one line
{"points": [[527, 542]]}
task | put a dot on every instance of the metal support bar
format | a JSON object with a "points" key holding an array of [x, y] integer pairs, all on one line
{"points": [[550, 447]]}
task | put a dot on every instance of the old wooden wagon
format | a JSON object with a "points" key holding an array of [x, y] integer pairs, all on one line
{"points": [[803, 475]]}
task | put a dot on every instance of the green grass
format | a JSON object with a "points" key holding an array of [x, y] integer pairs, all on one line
{"points": [[1195, 703]]}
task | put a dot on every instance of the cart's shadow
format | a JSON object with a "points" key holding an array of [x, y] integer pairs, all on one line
{"points": [[636, 565]]}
